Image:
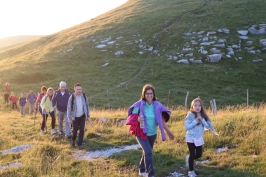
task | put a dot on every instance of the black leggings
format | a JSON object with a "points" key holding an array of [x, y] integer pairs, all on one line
{"points": [[195, 152], [44, 120]]}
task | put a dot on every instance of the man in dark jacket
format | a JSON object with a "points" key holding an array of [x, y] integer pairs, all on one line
{"points": [[59, 101]]}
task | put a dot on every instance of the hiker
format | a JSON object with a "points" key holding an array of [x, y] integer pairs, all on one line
{"points": [[77, 112], [6, 97], [13, 100], [196, 121], [22, 104], [59, 101], [48, 109], [7, 87], [31, 99], [39, 99], [149, 113]]}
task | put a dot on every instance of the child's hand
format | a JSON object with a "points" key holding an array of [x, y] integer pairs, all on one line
{"points": [[199, 118]]}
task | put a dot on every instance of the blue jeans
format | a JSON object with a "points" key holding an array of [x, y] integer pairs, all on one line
{"points": [[79, 124], [146, 162]]}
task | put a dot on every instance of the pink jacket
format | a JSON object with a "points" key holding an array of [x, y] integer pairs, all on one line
{"points": [[134, 128]]}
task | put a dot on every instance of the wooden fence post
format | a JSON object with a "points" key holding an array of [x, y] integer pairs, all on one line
{"points": [[186, 100], [247, 98], [168, 99]]}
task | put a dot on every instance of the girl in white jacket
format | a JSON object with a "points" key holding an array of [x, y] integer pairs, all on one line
{"points": [[196, 120]]}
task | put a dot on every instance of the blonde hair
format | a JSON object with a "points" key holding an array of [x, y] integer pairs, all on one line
{"points": [[202, 111]]}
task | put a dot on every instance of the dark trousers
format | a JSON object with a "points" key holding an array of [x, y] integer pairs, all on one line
{"points": [[6, 100], [146, 161], [14, 105], [195, 152], [79, 124], [44, 120]]}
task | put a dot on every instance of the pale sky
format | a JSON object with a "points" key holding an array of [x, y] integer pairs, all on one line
{"points": [[43, 17]]}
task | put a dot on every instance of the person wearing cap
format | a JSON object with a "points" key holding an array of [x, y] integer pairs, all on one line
{"points": [[31, 98], [48, 109], [59, 102]]}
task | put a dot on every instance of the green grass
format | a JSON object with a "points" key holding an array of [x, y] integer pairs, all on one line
{"points": [[46, 62], [51, 156]]}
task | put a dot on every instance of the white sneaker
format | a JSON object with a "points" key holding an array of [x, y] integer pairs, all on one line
{"points": [[42, 132], [53, 131], [142, 174], [187, 157], [191, 174]]}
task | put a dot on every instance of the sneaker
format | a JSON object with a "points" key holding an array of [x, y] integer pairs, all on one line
{"points": [[68, 136], [191, 174], [53, 131], [187, 157], [42, 132], [142, 174], [80, 147]]}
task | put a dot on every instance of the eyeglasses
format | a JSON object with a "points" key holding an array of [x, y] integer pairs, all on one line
{"points": [[148, 93]]}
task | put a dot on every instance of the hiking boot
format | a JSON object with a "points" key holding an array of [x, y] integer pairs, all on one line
{"points": [[53, 131], [187, 157], [80, 147], [42, 132], [191, 174], [142, 174]]}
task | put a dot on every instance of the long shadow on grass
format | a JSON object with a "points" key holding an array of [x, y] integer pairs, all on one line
{"points": [[165, 164]]}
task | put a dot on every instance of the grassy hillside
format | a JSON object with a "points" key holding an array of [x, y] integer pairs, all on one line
{"points": [[71, 55], [240, 130], [9, 42]]}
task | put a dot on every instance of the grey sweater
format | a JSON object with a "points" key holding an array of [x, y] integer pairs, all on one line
{"points": [[71, 114], [195, 129]]}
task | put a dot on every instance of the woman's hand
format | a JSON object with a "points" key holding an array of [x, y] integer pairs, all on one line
{"points": [[171, 135], [140, 118]]}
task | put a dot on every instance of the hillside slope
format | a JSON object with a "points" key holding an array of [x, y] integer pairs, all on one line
{"points": [[115, 54], [5, 43]]}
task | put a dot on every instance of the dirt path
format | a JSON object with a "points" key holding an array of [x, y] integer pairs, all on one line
{"points": [[159, 36]]}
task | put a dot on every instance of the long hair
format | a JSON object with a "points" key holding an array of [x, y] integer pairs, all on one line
{"points": [[145, 89], [202, 111]]}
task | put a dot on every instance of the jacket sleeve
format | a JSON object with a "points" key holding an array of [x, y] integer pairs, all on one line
{"points": [[42, 102], [205, 123], [54, 99], [191, 122], [87, 106], [69, 116]]}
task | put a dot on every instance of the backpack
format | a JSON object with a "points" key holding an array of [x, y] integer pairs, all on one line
{"points": [[72, 101]]}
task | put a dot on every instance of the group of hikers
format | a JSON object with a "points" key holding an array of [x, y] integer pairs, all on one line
{"points": [[143, 117], [72, 109]]}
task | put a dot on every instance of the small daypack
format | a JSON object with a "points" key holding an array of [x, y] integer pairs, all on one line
{"points": [[72, 101]]}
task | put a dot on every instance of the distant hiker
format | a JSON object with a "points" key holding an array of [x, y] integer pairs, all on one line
{"points": [[7, 87], [31, 99], [22, 104], [6, 97], [149, 113], [196, 121], [39, 99], [77, 112], [59, 101], [48, 109], [13, 100]]}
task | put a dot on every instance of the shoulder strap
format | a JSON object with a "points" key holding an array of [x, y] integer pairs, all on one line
{"points": [[84, 97], [72, 102]]}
